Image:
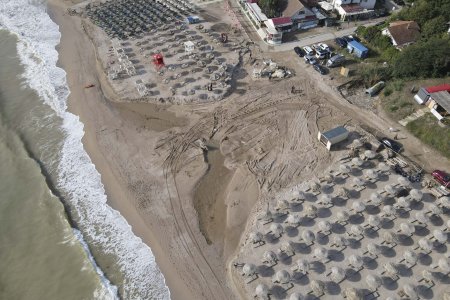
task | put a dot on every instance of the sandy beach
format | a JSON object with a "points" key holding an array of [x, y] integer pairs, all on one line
{"points": [[189, 205]]}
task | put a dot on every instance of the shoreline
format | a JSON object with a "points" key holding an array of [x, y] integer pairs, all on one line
{"points": [[113, 188]]}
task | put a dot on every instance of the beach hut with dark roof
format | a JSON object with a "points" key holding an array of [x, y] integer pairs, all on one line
{"points": [[333, 136]]}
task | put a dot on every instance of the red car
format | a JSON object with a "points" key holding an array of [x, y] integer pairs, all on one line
{"points": [[441, 177]]}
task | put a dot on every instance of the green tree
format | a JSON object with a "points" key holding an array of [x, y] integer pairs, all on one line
{"points": [[426, 59], [434, 27], [269, 7]]}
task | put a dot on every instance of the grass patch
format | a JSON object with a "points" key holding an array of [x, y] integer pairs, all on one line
{"points": [[428, 131]]}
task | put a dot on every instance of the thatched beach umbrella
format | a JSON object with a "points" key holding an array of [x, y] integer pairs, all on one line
{"points": [[358, 206], [345, 169], [293, 220], [256, 237], [390, 189], [425, 245], [282, 276], [374, 221], [321, 253], [444, 265], [337, 274], [343, 192], [373, 281], [383, 167], [302, 265], [355, 261], [356, 143], [427, 275], [357, 161], [403, 181], [444, 202], [314, 186], [403, 202], [266, 215], [388, 211], [270, 257], [389, 237], [249, 270], [369, 154], [376, 198], [390, 269], [288, 248], [342, 216], [317, 287], [357, 230], [311, 211], [410, 291], [282, 205], [440, 236], [324, 226], [410, 257], [325, 200], [352, 294], [407, 228], [357, 181], [370, 174], [422, 218], [373, 249], [339, 241], [301, 196], [296, 296], [262, 291], [308, 236], [276, 229], [434, 210], [416, 194]]}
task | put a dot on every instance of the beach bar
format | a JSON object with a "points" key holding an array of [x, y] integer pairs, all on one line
{"points": [[333, 136]]}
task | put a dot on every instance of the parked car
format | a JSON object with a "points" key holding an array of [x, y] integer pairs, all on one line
{"points": [[321, 54], [341, 42], [310, 59], [335, 61], [391, 144], [324, 47], [308, 50], [321, 69], [299, 51], [347, 38], [442, 177]]}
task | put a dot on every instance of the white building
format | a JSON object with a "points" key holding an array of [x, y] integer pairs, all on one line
{"points": [[353, 8]]}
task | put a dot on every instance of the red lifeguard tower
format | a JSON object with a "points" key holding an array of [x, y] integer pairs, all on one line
{"points": [[158, 60]]}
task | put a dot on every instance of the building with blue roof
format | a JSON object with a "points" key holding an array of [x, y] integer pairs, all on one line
{"points": [[358, 49]]}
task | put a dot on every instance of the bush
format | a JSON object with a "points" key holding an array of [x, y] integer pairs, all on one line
{"points": [[387, 92]]}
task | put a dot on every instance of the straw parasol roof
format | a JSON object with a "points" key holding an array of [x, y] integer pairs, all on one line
{"points": [[249, 269], [356, 261], [266, 215], [345, 169], [440, 236], [282, 276], [416, 194], [425, 244], [369, 154], [357, 230], [282, 204], [356, 143], [324, 226], [388, 210], [308, 236], [256, 237], [357, 161], [270, 256], [343, 192], [276, 229], [321, 253], [352, 294], [373, 281], [383, 167], [403, 202], [358, 206], [390, 268], [301, 195], [444, 201], [296, 296], [337, 274], [376, 198], [325, 199], [435, 210], [389, 237], [287, 247], [339, 241], [410, 291], [373, 249], [374, 221], [371, 174], [427, 275], [403, 181], [342, 216], [317, 287], [314, 186], [302, 265], [421, 217], [311, 211], [444, 265], [407, 228], [261, 290], [293, 219], [410, 256], [390, 189], [358, 181]]}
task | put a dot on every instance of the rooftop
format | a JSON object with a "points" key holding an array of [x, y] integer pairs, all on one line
{"points": [[291, 8], [335, 132], [282, 21], [443, 99], [438, 88], [404, 32]]}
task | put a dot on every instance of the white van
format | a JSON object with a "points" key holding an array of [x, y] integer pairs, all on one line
{"points": [[308, 50]]}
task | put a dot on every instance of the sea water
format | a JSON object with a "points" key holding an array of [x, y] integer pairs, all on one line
{"points": [[59, 239]]}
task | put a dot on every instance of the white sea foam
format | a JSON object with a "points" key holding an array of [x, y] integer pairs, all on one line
{"points": [[103, 228]]}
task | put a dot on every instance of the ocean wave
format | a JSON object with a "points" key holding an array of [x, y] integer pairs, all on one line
{"points": [[101, 226]]}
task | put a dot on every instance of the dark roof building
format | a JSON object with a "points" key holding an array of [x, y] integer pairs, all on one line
{"points": [[402, 33]]}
